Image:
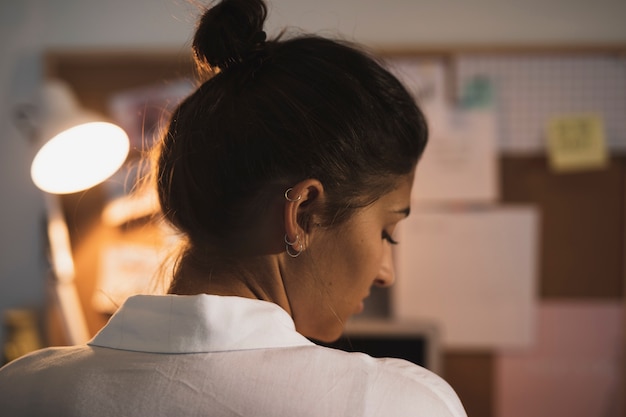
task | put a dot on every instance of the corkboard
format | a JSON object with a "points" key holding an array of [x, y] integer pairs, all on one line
{"points": [[582, 225]]}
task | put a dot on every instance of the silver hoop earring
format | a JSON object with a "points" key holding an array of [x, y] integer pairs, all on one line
{"points": [[291, 200], [289, 247], [290, 243]]}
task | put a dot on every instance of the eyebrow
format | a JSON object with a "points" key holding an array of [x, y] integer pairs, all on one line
{"points": [[405, 211]]}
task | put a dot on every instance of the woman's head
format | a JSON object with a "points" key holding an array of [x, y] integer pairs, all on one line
{"points": [[272, 113]]}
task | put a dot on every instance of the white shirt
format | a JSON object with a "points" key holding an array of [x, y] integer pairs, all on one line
{"points": [[207, 355]]}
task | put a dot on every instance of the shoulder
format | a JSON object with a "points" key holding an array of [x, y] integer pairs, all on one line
{"points": [[405, 386], [411, 381], [398, 385], [31, 376], [42, 361]]}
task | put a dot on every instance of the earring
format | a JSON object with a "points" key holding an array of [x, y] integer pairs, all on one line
{"points": [[289, 247], [291, 200]]}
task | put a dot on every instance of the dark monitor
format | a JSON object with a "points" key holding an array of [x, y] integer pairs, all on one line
{"points": [[416, 342]]}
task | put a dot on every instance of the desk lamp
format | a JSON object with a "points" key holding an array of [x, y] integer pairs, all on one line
{"points": [[81, 151]]}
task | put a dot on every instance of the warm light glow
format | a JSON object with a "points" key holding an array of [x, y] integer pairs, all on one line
{"points": [[80, 157], [60, 249], [130, 207]]}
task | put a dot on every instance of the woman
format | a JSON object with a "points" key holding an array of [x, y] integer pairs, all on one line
{"points": [[287, 172]]}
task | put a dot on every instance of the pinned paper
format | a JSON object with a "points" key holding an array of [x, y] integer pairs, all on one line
{"points": [[460, 163], [577, 143], [471, 271]]}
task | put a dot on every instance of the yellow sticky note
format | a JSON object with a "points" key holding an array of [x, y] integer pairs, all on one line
{"points": [[576, 143]]}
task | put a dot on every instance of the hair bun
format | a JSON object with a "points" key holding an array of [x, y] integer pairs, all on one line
{"points": [[228, 32]]}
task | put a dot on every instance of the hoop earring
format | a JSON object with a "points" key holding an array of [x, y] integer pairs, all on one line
{"points": [[291, 200], [289, 247]]}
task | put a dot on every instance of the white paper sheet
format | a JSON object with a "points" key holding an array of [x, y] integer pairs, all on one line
{"points": [[460, 163], [473, 272]]}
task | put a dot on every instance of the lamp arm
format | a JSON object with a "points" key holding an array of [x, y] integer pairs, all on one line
{"points": [[65, 293]]}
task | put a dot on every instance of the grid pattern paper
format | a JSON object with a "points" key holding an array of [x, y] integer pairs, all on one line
{"points": [[530, 89]]}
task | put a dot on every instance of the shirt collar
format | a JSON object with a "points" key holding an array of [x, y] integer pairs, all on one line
{"points": [[196, 324]]}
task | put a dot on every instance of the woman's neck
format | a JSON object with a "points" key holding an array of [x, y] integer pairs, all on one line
{"points": [[256, 278]]}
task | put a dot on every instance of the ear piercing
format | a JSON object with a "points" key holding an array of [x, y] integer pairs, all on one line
{"points": [[291, 200], [290, 247]]}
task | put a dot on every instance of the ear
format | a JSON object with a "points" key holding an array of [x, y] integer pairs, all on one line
{"points": [[300, 205]]}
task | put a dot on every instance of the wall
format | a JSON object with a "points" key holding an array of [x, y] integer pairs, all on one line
{"points": [[29, 27]]}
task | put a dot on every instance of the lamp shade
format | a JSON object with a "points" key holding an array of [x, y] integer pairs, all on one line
{"points": [[81, 150]]}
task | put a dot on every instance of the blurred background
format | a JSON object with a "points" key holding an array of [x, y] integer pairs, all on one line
{"points": [[545, 340]]}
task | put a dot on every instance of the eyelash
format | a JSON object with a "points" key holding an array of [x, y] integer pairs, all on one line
{"points": [[388, 238]]}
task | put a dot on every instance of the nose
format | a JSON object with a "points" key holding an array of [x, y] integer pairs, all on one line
{"points": [[386, 274]]}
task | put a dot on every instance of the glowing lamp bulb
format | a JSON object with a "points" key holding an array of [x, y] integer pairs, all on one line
{"points": [[80, 158]]}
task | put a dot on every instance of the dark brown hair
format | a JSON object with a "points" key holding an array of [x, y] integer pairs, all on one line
{"points": [[274, 112]]}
